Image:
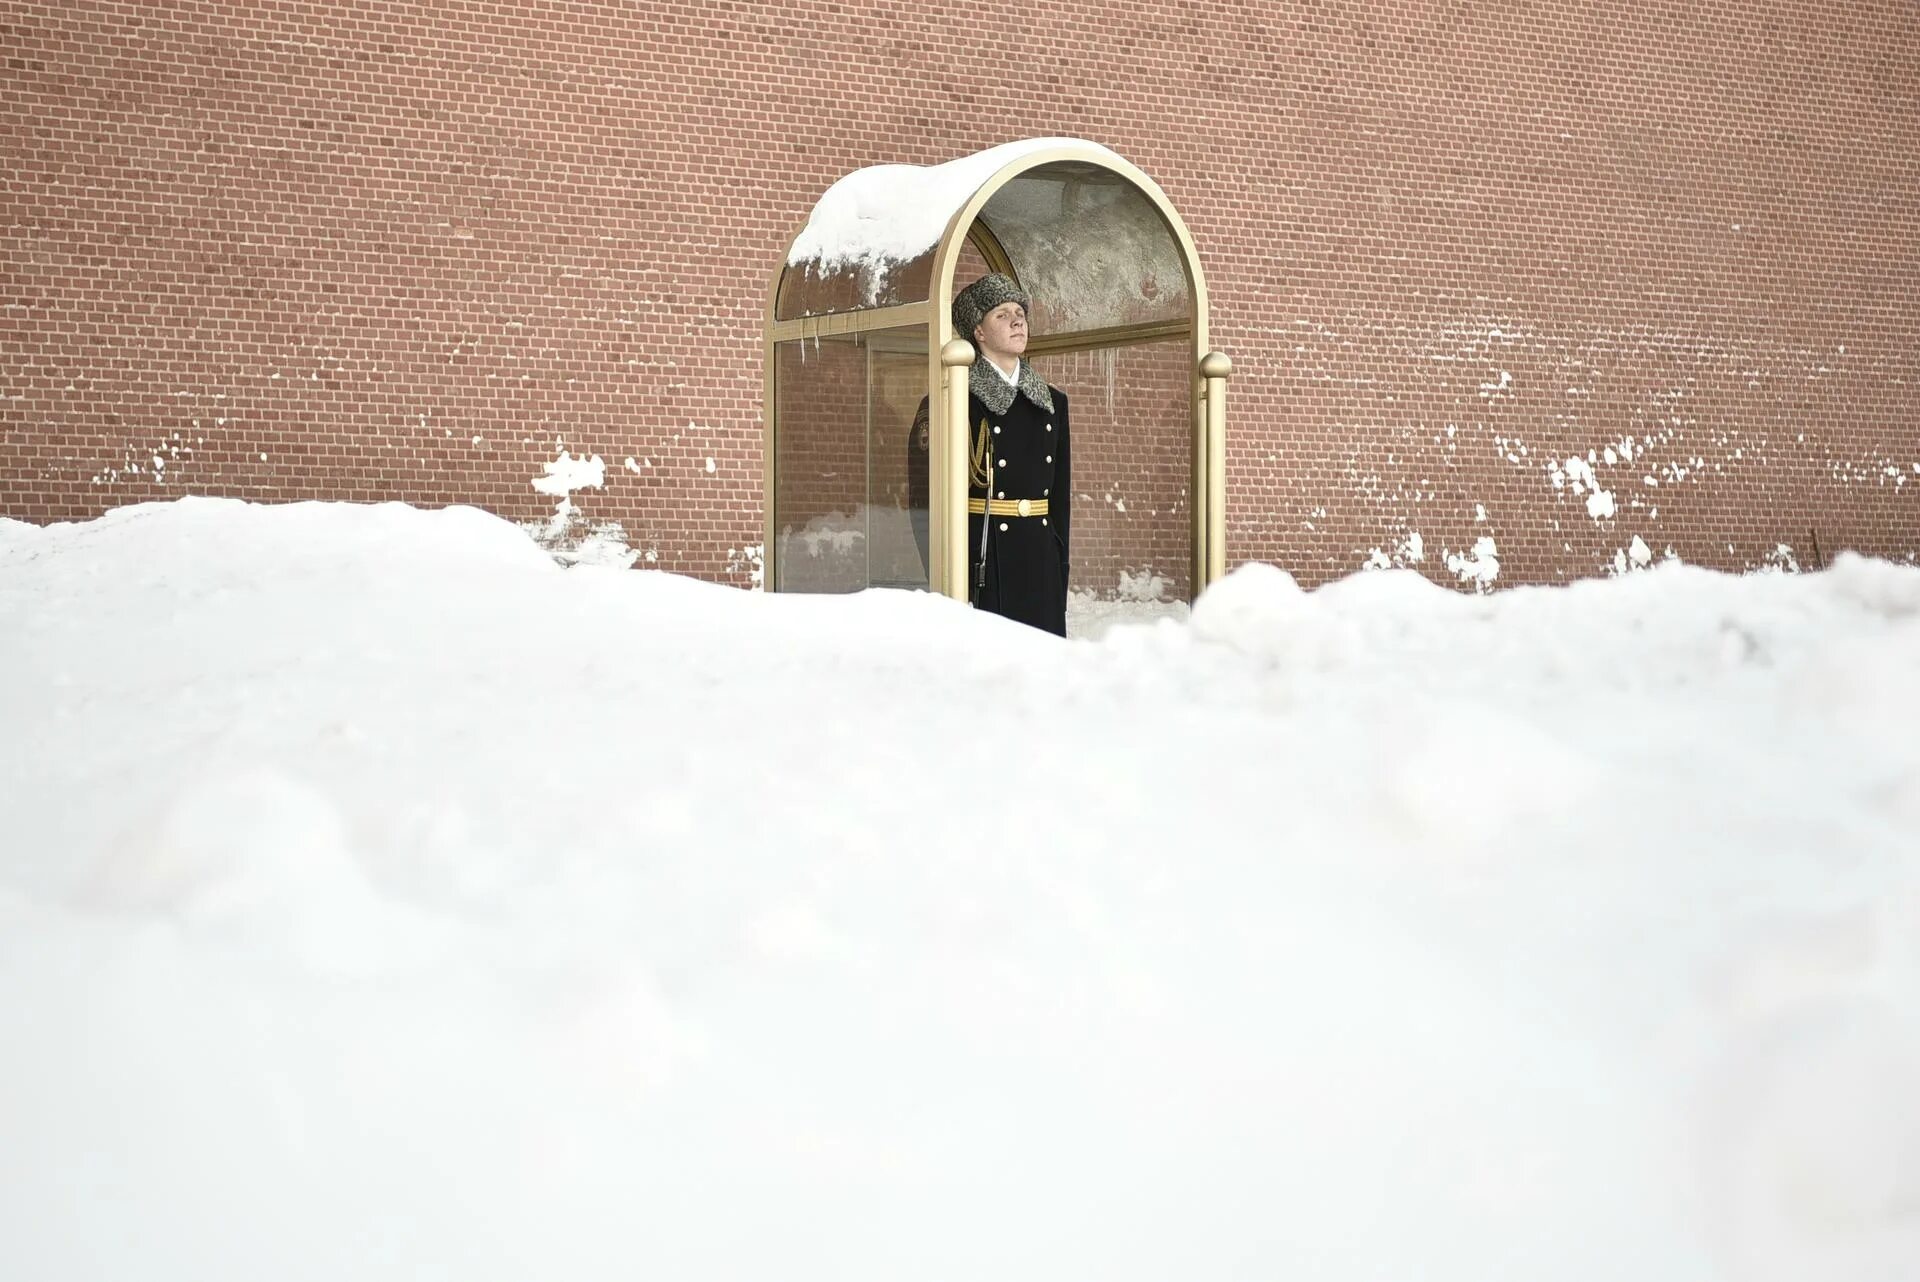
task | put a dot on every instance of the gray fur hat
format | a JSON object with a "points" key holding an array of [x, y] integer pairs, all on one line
{"points": [[971, 305]]}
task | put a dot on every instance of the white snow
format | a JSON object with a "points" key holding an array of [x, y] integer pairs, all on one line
{"points": [[890, 214], [1781, 560], [1479, 567], [1579, 473], [562, 476], [568, 535], [379, 900]]}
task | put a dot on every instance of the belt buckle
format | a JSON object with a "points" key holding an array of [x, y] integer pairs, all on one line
{"points": [[1026, 507]]}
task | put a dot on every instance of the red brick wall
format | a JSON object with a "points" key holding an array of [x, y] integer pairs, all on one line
{"points": [[410, 251]]}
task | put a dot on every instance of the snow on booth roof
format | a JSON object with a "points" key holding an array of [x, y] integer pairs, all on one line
{"points": [[897, 212], [877, 218]]}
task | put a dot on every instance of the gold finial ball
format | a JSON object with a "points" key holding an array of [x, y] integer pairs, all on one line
{"points": [[1215, 365], [957, 352]]}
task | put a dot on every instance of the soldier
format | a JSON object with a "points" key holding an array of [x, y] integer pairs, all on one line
{"points": [[1019, 492]]}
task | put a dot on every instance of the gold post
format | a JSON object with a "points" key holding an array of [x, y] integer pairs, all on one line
{"points": [[1200, 534], [769, 475], [947, 491], [1214, 370]]}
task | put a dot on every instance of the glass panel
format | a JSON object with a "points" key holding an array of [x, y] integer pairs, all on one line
{"points": [[897, 449], [1090, 247], [820, 468], [1132, 476], [812, 288], [846, 514]]}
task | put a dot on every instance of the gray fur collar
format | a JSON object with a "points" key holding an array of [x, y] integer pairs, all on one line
{"points": [[996, 393]]}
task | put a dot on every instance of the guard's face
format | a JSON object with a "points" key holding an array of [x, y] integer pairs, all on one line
{"points": [[1004, 330]]}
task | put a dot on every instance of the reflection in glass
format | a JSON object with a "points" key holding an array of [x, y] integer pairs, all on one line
{"points": [[845, 515], [812, 289], [1091, 248], [1132, 513], [897, 458]]}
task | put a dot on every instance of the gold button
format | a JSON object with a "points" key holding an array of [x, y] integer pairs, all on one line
{"points": [[1026, 507]]}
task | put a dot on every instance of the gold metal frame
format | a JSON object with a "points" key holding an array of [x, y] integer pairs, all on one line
{"points": [[992, 252], [949, 356]]}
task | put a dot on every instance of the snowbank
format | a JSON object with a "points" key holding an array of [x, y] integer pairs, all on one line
{"points": [[380, 900]]}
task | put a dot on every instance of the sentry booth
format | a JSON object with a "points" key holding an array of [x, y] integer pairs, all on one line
{"points": [[858, 331]]}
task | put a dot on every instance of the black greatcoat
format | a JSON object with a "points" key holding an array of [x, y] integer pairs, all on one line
{"points": [[1025, 450]]}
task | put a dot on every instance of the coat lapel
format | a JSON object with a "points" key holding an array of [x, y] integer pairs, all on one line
{"points": [[997, 394]]}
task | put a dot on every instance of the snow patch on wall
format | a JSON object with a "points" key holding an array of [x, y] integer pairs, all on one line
{"points": [[750, 561], [1409, 552], [1577, 475], [568, 535], [1479, 567], [1780, 561], [571, 539], [1138, 597], [564, 475], [149, 461], [1628, 451], [1638, 555]]}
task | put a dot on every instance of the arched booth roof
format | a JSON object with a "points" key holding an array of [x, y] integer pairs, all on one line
{"points": [[1092, 238], [859, 329]]}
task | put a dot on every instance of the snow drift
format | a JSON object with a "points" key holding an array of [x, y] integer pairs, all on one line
{"points": [[380, 900]]}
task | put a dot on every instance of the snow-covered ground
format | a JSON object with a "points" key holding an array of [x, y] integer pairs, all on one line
{"points": [[379, 900]]}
